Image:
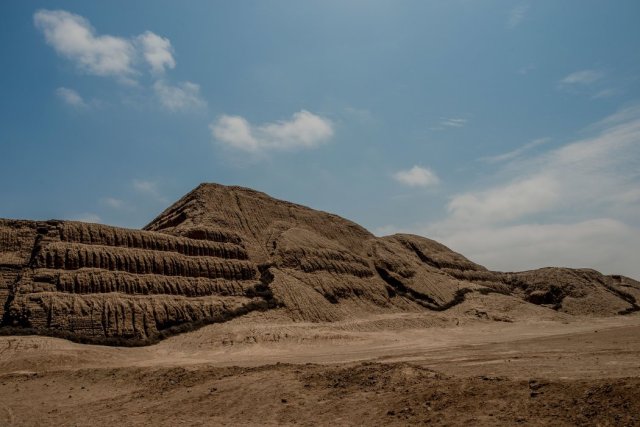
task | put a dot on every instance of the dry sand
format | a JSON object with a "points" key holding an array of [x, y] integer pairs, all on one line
{"points": [[387, 369]]}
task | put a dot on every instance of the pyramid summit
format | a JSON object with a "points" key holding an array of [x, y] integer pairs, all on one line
{"points": [[223, 251], [253, 215]]}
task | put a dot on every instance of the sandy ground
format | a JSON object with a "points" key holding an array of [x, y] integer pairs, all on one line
{"points": [[392, 369]]}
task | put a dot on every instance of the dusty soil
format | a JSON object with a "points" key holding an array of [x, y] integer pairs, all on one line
{"points": [[386, 369]]}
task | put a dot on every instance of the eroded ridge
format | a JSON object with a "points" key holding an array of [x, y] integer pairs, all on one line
{"points": [[221, 252], [100, 281]]}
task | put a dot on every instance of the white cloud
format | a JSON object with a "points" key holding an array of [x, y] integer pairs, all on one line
{"points": [[236, 132], [360, 114], [588, 172], [417, 176], [87, 217], [184, 96], [577, 205], [526, 69], [148, 189], [73, 37], [515, 153], [113, 203], [450, 123], [144, 186], [454, 122], [303, 130], [157, 51], [605, 93], [71, 97], [605, 244], [516, 15], [389, 229], [583, 77], [527, 196]]}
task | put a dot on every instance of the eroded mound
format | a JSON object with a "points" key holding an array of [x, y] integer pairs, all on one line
{"points": [[221, 252]]}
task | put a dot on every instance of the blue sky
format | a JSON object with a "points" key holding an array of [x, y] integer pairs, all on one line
{"points": [[508, 130]]}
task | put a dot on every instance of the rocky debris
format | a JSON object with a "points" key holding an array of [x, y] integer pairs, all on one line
{"points": [[220, 252]]}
